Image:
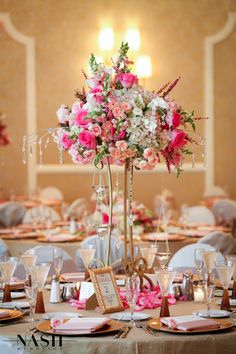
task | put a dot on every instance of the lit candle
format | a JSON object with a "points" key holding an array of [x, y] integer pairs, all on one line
{"points": [[199, 294]]}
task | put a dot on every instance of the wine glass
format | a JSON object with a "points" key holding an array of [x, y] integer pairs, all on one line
{"points": [[29, 261], [165, 278], [87, 254], [31, 291], [149, 253], [132, 285], [41, 272], [7, 268], [209, 288], [198, 260], [57, 260], [232, 260], [163, 259], [225, 272]]}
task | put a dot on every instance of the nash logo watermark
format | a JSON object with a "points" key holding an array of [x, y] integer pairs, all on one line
{"points": [[43, 342]]}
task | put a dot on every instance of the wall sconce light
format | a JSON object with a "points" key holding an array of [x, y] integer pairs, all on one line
{"points": [[144, 66], [106, 39], [133, 38]]}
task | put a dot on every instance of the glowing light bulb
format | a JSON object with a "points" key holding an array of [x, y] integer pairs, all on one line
{"points": [[144, 66], [133, 38], [106, 39]]}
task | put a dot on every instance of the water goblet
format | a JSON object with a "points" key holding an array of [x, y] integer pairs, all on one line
{"points": [[149, 253], [7, 268], [31, 291], [41, 273], [57, 260], [225, 272], [232, 260], [132, 284], [165, 278], [29, 260], [209, 288], [87, 254], [198, 260], [163, 259], [209, 258]]}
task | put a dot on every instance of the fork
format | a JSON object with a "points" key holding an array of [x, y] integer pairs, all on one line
{"points": [[147, 329]]}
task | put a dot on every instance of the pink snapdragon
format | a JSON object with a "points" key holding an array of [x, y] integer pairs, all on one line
{"points": [[128, 80], [176, 119], [87, 139]]}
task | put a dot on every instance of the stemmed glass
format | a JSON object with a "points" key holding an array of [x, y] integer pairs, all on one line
{"points": [[225, 272], [165, 278], [132, 285], [41, 273], [149, 253], [209, 258], [163, 259], [7, 268], [31, 291], [232, 260], [209, 288], [57, 260], [29, 261], [198, 260], [87, 254]]}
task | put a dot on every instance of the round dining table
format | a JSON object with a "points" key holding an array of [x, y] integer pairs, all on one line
{"points": [[138, 341]]}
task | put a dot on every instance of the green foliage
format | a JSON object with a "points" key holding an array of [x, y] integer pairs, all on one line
{"points": [[189, 118], [93, 63]]}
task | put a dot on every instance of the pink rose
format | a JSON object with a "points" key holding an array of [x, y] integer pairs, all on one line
{"points": [[76, 107], [122, 145], [105, 218], [121, 135], [130, 153], [56, 322], [79, 119], [89, 154], [87, 139], [148, 153], [96, 130], [125, 106], [176, 119], [128, 80], [66, 142], [115, 153], [106, 125], [96, 89], [178, 138], [118, 112]]}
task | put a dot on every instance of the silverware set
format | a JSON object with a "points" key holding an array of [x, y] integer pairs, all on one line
{"points": [[123, 332], [147, 329]]}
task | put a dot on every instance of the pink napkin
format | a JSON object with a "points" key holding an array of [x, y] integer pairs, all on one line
{"points": [[73, 277], [80, 325], [5, 313], [189, 323]]}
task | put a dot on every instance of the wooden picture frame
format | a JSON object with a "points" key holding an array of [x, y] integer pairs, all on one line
{"points": [[106, 290]]}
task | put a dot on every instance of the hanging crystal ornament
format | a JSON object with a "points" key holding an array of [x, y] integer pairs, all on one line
{"points": [[203, 143]]}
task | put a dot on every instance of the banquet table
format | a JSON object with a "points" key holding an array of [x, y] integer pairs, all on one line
{"points": [[136, 342]]}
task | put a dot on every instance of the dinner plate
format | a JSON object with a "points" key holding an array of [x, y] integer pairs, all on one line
{"points": [[232, 302], [112, 326], [213, 313], [15, 295], [13, 314], [12, 304], [64, 315], [126, 316], [22, 235], [194, 233], [60, 238], [160, 236], [157, 325]]}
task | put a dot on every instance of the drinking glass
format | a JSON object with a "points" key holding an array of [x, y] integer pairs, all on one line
{"points": [[87, 254], [232, 260], [149, 253], [29, 261], [225, 272], [165, 278], [7, 268], [40, 273], [31, 291], [209, 288], [57, 260], [209, 258], [132, 284], [198, 260], [163, 259]]}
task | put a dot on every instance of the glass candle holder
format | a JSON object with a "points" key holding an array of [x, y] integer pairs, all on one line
{"points": [[198, 293], [165, 278], [40, 273]]}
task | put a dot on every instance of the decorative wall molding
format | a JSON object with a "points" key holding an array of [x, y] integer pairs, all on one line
{"points": [[209, 98], [29, 44]]}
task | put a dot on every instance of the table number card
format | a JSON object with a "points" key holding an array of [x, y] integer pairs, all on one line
{"points": [[86, 290], [106, 290]]}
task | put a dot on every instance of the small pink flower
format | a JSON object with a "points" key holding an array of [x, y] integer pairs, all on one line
{"points": [[178, 138], [115, 153], [105, 218], [130, 153], [87, 139], [125, 106], [118, 112], [122, 145], [143, 164], [56, 321], [89, 154], [121, 135], [96, 130], [148, 153], [96, 89], [66, 142], [176, 119], [86, 161], [76, 107], [106, 125], [80, 118], [128, 80]]}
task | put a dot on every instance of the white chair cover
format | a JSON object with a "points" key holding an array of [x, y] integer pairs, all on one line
{"points": [[200, 215], [51, 193], [185, 256], [11, 214], [100, 246], [224, 211], [222, 242], [215, 191], [3, 248], [78, 208], [42, 212]]}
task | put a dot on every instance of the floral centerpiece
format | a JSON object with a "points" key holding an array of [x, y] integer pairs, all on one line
{"points": [[4, 138], [117, 117]]}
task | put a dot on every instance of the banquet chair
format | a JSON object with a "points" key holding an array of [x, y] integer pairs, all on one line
{"points": [[222, 242], [45, 255], [200, 215], [11, 214], [51, 193], [41, 213], [77, 209], [184, 258], [116, 253], [224, 211]]}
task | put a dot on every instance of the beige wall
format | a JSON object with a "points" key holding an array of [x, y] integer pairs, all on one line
{"points": [[66, 31]]}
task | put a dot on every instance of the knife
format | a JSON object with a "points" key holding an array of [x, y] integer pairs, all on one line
{"points": [[125, 332]]}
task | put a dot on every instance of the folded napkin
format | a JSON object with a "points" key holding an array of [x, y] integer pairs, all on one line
{"points": [[73, 277], [189, 323], [82, 325], [4, 314]]}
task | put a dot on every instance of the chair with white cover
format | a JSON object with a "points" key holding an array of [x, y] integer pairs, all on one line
{"points": [[224, 211], [184, 258], [222, 242], [41, 212], [11, 214], [116, 253], [215, 192], [51, 193], [45, 255], [200, 215], [4, 251], [77, 209]]}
